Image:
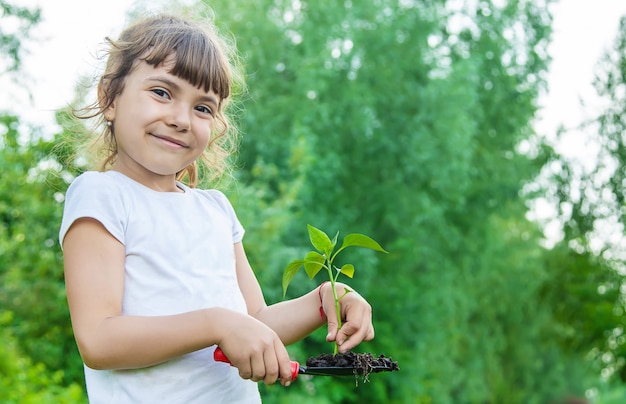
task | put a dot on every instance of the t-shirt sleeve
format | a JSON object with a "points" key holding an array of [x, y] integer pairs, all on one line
{"points": [[93, 195], [223, 202]]}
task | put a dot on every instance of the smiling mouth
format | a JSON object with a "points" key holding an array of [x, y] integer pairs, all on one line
{"points": [[171, 141]]}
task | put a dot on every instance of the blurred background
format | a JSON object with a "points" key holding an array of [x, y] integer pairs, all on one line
{"points": [[481, 142]]}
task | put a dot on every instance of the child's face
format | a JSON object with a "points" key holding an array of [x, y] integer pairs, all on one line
{"points": [[161, 122]]}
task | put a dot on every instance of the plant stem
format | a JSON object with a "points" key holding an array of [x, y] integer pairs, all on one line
{"points": [[336, 299]]}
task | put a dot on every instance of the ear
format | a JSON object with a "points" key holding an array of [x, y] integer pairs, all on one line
{"points": [[103, 100]]}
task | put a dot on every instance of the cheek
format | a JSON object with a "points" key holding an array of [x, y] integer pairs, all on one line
{"points": [[205, 139], [205, 136]]}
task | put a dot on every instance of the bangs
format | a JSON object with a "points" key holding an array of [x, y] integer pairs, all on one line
{"points": [[197, 58]]}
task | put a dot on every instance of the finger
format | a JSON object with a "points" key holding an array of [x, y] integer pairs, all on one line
{"points": [[330, 311], [245, 370], [348, 337], [271, 367], [284, 364], [331, 322], [257, 363], [358, 327]]}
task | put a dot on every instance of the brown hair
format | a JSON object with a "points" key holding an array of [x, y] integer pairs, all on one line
{"points": [[201, 57]]}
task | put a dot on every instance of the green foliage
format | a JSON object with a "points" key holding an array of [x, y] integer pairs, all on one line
{"points": [[39, 362], [23, 382], [611, 394], [407, 120], [610, 174], [324, 257], [31, 269], [591, 205]]}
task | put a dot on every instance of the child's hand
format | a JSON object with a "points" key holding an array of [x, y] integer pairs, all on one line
{"points": [[255, 350], [356, 317]]}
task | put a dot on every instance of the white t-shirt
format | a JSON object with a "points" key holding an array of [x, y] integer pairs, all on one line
{"points": [[179, 258]]}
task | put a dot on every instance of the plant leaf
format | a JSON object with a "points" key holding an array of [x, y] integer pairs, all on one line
{"points": [[347, 270], [320, 240], [361, 240], [313, 262], [290, 272]]}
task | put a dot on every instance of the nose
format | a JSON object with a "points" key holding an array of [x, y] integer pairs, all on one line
{"points": [[180, 117]]}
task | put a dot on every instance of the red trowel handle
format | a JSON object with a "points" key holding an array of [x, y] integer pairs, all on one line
{"points": [[219, 356]]}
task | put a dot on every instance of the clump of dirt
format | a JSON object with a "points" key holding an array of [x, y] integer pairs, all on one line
{"points": [[362, 363]]}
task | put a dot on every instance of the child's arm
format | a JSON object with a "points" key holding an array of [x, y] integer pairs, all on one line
{"points": [[94, 274], [295, 319]]}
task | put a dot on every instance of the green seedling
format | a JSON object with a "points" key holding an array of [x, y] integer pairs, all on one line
{"points": [[323, 257]]}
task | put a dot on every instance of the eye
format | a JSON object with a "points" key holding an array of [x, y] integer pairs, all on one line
{"points": [[205, 110], [161, 92]]}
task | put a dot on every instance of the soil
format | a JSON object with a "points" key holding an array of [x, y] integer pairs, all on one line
{"points": [[363, 363]]}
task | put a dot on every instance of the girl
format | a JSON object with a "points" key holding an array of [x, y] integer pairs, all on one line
{"points": [[155, 269]]}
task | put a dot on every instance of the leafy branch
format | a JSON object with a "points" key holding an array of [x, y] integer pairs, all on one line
{"points": [[323, 258]]}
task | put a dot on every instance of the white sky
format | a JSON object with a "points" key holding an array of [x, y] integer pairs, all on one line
{"points": [[583, 31], [72, 30]]}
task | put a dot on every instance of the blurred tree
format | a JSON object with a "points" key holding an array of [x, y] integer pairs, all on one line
{"points": [[31, 272], [23, 382], [17, 22], [590, 202], [410, 121], [35, 330]]}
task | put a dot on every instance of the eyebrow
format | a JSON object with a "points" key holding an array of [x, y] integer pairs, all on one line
{"points": [[205, 98]]}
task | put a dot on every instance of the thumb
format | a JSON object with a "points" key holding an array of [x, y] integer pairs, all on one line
{"points": [[331, 320]]}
